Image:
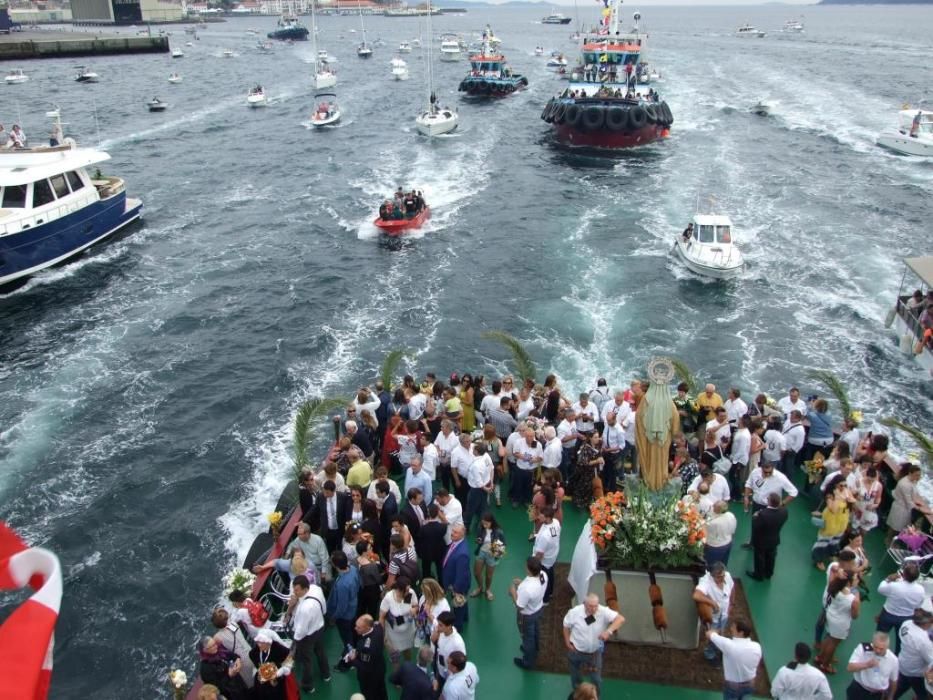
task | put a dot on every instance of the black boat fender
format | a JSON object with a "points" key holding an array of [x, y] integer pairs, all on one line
{"points": [[616, 119], [482, 86], [524, 81], [637, 117], [652, 113], [594, 117], [287, 500], [462, 86], [668, 115], [573, 115], [548, 113], [560, 112], [259, 550]]}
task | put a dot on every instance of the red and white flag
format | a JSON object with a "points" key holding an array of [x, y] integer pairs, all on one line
{"points": [[26, 637]]}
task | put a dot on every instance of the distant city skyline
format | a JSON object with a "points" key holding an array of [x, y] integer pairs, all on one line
{"points": [[634, 4]]}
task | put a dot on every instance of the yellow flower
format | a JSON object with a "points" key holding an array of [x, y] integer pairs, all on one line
{"points": [[275, 519]]}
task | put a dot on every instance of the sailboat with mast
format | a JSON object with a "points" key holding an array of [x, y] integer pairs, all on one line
{"points": [[324, 76], [434, 120], [364, 50]]}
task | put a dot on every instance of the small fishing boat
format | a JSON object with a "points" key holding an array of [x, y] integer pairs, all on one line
{"points": [[178, 53], [557, 61], [913, 338], [15, 77], [763, 108], [709, 248], [157, 105], [174, 78], [395, 227], [256, 97], [913, 135], [86, 75], [327, 111], [404, 47], [399, 69], [748, 31]]}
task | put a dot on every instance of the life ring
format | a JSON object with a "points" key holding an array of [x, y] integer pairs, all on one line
{"points": [[637, 117], [652, 113], [482, 86], [616, 119], [573, 115], [594, 118], [560, 111]]}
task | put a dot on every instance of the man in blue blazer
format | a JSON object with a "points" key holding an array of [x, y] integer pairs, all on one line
{"points": [[456, 574]]}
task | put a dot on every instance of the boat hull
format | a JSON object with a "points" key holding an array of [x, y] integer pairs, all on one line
{"points": [[901, 143], [719, 273], [324, 80], [436, 125], [327, 121], [289, 34], [565, 20], [492, 87], [27, 252], [924, 358], [604, 138], [397, 227]]}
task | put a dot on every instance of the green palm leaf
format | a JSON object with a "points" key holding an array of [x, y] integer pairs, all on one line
{"points": [[308, 413], [685, 375], [390, 367], [835, 387], [921, 438], [524, 365]]}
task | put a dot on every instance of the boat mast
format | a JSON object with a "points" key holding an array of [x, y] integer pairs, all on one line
{"points": [[362, 26], [430, 47], [314, 43]]}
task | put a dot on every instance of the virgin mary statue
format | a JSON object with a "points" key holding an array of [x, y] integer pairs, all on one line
{"points": [[656, 424]]}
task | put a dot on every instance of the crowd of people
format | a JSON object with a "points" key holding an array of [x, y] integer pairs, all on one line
{"points": [[404, 205], [399, 534]]}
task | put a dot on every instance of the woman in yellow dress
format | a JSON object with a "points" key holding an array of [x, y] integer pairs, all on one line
{"points": [[468, 422]]}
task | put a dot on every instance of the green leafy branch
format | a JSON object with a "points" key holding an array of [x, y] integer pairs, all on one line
{"points": [[524, 365]]}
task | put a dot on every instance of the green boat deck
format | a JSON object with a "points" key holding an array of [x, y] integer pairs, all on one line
{"points": [[784, 612]]}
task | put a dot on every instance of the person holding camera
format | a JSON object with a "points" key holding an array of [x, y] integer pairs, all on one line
{"points": [[904, 595]]}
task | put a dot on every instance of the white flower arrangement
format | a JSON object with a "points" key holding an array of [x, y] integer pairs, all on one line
{"points": [[239, 580], [178, 680]]}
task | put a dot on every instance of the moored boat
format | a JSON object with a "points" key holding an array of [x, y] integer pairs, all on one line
{"points": [[404, 47], [434, 120], [399, 69], [491, 76], [289, 29], [913, 135], [914, 338], [604, 107], [708, 247], [793, 26], [15, 77], [450, 48], [178, 53], [52, 208]]}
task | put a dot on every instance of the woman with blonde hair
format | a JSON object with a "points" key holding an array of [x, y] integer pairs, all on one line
{"points": [[585, 691], [431, 604]]}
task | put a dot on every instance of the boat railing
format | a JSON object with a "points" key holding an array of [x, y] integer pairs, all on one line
{"points": [[43, 217], [911, 317]]}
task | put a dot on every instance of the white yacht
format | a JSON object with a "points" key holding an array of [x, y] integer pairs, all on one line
{"points": [[434, 120], [15, 77], [404, 47], [256, 97], [747, 30], [174, 78], [399, 69], [450, 48], [324, 75], [710, 249], [913, 135]]}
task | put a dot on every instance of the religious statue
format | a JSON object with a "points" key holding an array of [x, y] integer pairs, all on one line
{"points": [[656, 423]]}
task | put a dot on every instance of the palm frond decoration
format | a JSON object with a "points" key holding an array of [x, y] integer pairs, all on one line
{"points": [[685, 375], [835, 387], [390, 367], [524, 365], [921, 438], [308, 413]]}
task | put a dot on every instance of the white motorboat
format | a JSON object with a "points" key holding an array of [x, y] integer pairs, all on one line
{"points": [[256, 97], [174, 78], [15, 77], [793, 26], [913, 135], [86, 75], [557, 61], [434, 120], [763, 108], [157, 105], [710, 249], [450, 48], [399, 69], [404, 47], [747, 30], [228, 53], [324, 75], [178, 53], [539, 50], [327, 111], [188, 43], [906, 312]]}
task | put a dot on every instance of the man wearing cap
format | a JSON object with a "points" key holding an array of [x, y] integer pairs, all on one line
{"points": [[587, 628], [875, 670], [916, 653]]}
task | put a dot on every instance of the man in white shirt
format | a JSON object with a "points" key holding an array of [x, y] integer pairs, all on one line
{"points": [[774, 443], [798, 680], [463, 679], [735, 407], [553, 450], [794, 436], [460, 460], [446, 640], [916, 653], [308, 632], [720, 529], [903, 594], [718, 486], [740, 659], [366, 400], [613, 447], [740, 453], [874, 670], [479, 479], [792, 402], [429, 456], [525, 404], [451, 511], [586, 414], [720, 426], [528, 456], [765, 480], [493, 400], [620, 407], [715, 590], [416, 404], [567, 432], [587, 628], [547, 547], [446, 442], [528, 595]]}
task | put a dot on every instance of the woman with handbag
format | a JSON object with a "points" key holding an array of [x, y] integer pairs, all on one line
{"points": [[490, 547], [840, 606]]}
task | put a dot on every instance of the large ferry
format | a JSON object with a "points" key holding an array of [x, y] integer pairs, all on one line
{"points": [[604, 106], [51, 208]]}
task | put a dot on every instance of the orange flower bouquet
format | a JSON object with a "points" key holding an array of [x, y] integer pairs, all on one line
{"points": [[606, 514]]}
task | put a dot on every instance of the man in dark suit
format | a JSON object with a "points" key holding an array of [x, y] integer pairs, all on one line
{"points": [[389, 511], [414, 513], [359, 438], [455, 574], [368, 659], [431, 545], [766, 536], [331, 509], [415, 681]]}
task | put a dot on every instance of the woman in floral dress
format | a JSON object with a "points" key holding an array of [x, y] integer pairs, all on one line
{"points": [[589, 461]]}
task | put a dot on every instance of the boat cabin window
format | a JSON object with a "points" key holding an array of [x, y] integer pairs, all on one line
{"points": [[59, 185], [705, 233], [724, 234], [41, 193], [74, 180], [14, 197]]}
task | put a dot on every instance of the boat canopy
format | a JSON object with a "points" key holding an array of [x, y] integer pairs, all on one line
{"points": [[20, 167], [922, 267], [711, 228]]}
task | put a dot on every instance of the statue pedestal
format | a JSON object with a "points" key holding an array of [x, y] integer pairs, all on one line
{"points": [[683, 631]]}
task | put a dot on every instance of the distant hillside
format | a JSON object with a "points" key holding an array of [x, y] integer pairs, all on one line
{"points": [[876, 2]]}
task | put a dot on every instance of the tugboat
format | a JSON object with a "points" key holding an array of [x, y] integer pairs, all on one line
{"points": [[490, 75], [604, 107], [289, 29]]}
